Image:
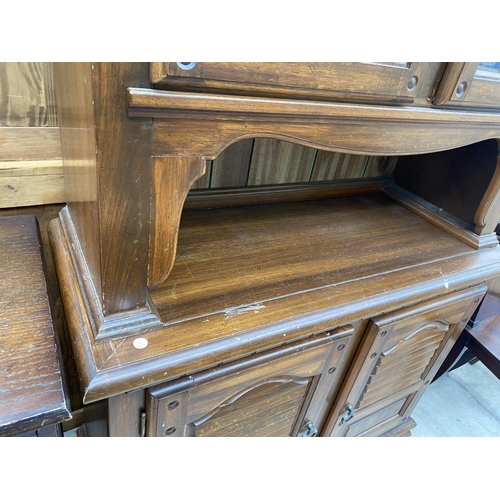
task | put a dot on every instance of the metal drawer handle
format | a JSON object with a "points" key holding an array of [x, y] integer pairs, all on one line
{"points": [[347, 415], [308, 431]]}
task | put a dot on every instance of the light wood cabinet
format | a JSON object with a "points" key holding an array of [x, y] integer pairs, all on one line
{"points": [[222, 311]]}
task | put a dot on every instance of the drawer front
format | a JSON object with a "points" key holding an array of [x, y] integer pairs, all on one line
{"points": [[397, 359], [271, 394], [382, 82]]}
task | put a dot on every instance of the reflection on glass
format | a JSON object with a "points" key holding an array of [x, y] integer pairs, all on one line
{"points": [[490, 67]]}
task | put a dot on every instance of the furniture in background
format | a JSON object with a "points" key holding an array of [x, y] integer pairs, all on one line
{"points": [[480, 340], [32, 395], [271, 304]]}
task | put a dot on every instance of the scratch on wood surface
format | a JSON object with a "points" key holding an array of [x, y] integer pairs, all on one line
{"points": [[114, 353], [189, 270], [234, 311]]}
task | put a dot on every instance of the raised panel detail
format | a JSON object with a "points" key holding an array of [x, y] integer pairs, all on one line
{"points": [[403, 365], [397, 359], [269, 409], [268, 394]]}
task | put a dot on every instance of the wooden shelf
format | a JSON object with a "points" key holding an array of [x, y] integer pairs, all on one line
{"points": [[236, 260]]}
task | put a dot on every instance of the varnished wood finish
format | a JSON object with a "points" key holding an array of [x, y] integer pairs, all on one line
{"points": [[382, 82], [104, 154], [397, 359], [198, 292], [402, 430], [454, 73], [442, 179], [112, 325], [259, 195], [200, 341], [166, 210], [261, 396], [44, 214], [267, 154], [276, 163], [440, 219], [481, 87], [101, 150], [31, 387], [486, 215], [124, 162], [77, 131], [343, 137], [123, 421], [230, 168], [239, 247]]}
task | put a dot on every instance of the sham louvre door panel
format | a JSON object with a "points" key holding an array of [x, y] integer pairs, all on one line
{"points": [[398, 358], [399, 82], [278, 393]]}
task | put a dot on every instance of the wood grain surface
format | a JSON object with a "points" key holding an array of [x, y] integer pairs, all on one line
{"points": [[244, 257], [257, 162], [202, 341], [31, 168], [357, 81], [31, 390], [44, 214], [27, 95]]}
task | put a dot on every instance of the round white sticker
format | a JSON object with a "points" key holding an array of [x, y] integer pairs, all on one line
{"points": [[140, 343]]}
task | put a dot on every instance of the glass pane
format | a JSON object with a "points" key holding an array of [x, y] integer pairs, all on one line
{"points": [[489, 66]]}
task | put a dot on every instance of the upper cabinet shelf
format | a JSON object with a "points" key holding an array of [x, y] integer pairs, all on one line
{"points": [[383, 82]]}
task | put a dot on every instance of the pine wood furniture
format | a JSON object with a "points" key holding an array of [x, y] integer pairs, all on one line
{"points": [[32, 395], [307, 308]]}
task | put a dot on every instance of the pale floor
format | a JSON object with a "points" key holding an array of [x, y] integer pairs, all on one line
{"points": [[462, 403]]}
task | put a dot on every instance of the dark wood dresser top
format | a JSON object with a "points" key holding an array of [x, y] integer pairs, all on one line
{"points": [[31, 388]]}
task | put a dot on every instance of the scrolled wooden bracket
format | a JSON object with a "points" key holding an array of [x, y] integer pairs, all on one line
{"points": [[172, 179], [488, 213]]}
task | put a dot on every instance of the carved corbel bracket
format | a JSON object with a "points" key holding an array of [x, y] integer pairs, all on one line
{"points": [[172, 179], [190, 129], [488, 213]]}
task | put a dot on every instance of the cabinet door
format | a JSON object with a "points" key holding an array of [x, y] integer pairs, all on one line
{"points": [[470, 85], [372, 81], [397, 359], [277, 393]]}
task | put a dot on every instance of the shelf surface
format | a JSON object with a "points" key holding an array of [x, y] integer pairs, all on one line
{"points": [[236, 260], [249, 279]]}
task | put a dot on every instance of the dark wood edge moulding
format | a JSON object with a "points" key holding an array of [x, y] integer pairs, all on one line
{"points": [[99, 381]]}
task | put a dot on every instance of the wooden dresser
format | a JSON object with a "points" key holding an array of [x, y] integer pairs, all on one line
{"points": [[273, 249]]}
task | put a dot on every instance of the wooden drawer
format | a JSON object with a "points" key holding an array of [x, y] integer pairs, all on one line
{"points": [[383, 82], [397, 359]]}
